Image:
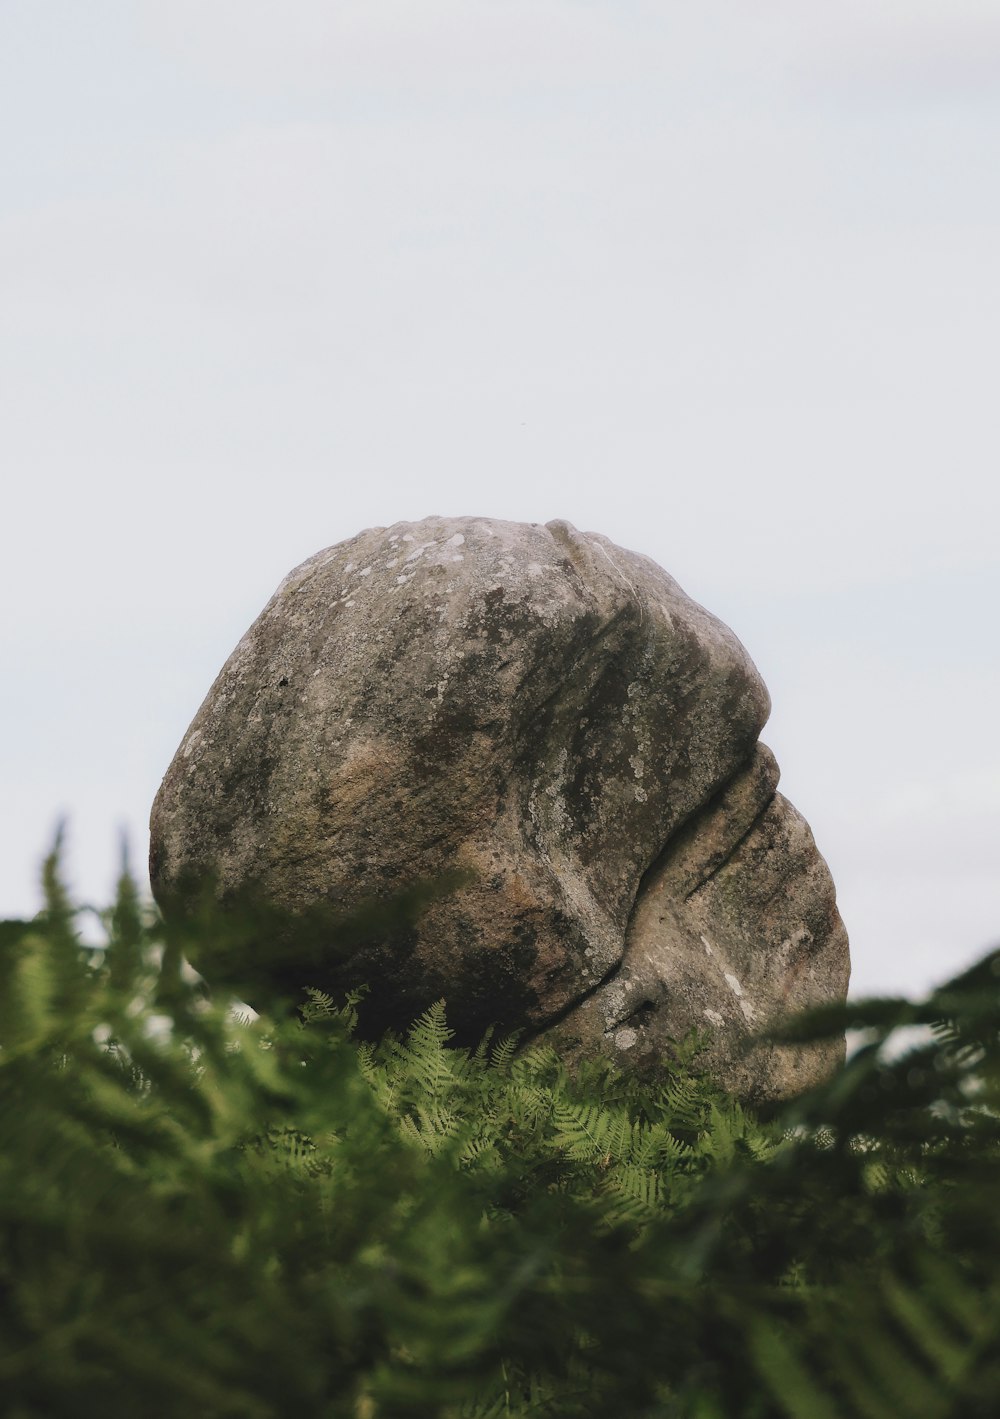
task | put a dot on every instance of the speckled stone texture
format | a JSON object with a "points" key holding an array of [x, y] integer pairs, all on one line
{"points": [[552, 715]]}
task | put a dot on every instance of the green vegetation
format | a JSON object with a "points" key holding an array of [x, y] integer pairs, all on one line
{"points": [[205, 1216]]}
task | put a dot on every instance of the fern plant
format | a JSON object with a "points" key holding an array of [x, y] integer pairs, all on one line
{"points": [[204, 1214]]}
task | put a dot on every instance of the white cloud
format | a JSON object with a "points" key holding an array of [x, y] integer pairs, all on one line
{"points": [[356, 47], [273, 273], [902, 52]]}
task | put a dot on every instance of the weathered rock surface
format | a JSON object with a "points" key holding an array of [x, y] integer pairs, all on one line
{"points": [[736, 926], [552, 714]]}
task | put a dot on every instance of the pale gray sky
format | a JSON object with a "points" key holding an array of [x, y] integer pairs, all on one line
{"points": [[719, 281]]}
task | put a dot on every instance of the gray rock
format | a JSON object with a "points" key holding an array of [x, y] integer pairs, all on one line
{"points": [[734, 928], [550, 714]]}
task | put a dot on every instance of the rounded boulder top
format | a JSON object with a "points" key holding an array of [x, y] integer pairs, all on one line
{"points": [[549, 717]]}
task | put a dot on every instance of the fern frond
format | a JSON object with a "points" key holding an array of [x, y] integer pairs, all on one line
{"points": [[582, 1130], [502, 1054], [641, 1186], [656, 1146]]}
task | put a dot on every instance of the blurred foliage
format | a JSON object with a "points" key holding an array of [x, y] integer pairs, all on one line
{"points": [[202, 1214]]}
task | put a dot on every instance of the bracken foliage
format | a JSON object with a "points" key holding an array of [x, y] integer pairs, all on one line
{"points": [[204, 1214]]}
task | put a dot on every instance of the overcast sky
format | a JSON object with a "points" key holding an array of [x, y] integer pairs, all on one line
{"points": [[718, 280]]}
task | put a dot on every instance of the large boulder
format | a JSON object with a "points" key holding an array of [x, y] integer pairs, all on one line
{"points": [[551, 716]]}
